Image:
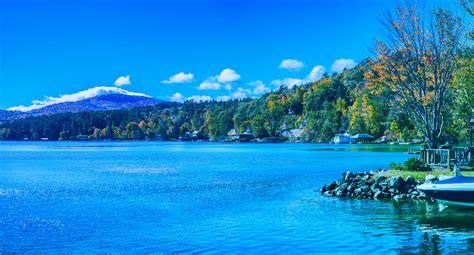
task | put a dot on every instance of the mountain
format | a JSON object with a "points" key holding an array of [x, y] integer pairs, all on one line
{"points": [[98, 103], [96, 99]]}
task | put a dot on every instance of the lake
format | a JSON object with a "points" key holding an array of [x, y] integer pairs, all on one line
{"points": [[147, 197]]}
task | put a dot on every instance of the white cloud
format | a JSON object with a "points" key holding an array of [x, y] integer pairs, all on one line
{"points": [[180, 78], [210, 84], [241, 93], [259, 87], [316, 73], [92, 92], [288, 82], [228, 75], [223, 98], [199, 98], [291, 64], [177, 97], [343, 63], [123, 80]]}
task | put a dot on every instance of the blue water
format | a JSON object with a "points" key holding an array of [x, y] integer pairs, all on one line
{"points": [[143, 197]]}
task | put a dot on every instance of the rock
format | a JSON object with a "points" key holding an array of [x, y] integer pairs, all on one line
{"points": [[375, 186], [410, 180], [398, 197], [348, 176], [323, 189], [331, 186], [378, 194], [341, 193], [358, 191], [329, 193], [396, 181], [430, 178], [380, 179]]}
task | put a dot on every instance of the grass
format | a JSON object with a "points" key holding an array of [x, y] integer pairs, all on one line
{"points": [[420, 176]]}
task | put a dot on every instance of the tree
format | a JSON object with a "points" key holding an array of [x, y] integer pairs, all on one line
{"points": [[417, 61]]}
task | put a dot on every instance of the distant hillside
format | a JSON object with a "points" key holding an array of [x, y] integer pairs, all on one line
{"points": [[341, 102], [97, 103]]}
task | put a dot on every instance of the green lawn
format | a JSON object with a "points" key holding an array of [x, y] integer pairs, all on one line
{"points": [[420, 176]]}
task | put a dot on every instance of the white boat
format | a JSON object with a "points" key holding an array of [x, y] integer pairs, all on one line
{"points": [[457, 190]]}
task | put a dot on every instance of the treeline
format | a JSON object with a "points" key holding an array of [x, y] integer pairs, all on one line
{"points": [[340, 102]]}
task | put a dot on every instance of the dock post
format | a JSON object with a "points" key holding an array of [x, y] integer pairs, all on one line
{"points": [[457, 170]]}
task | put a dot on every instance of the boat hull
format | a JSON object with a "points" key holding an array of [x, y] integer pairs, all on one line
{"points": [[455, 191]]}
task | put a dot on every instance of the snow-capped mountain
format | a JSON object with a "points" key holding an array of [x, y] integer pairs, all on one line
{"points": [[94, 99]]}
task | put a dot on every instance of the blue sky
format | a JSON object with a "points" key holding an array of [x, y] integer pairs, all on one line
{"points": [[223, 48]]}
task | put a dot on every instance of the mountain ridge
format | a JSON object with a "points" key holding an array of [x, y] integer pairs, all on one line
{"points": [[104, 102]]}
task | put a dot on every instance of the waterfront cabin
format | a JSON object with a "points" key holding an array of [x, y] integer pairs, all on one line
{"points": [[195, 135], [233, 135], [343, 138], [236, 136], [363, 138]]}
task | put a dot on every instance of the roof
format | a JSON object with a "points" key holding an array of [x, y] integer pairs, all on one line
{"points": [[363, 136], [343, 135]]}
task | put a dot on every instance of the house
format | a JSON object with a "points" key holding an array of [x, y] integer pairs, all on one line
{"points": [[236, 136], [363, 138], [233, 135], [195, 135], [343, 138]]}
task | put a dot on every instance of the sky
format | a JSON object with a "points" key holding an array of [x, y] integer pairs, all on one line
{"points": [[177, 50]]}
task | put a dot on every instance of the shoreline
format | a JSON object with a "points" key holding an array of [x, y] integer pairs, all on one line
{"points": [[376, 185]]}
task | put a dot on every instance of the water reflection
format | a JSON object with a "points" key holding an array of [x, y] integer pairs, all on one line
{"points": [[441, 228]]}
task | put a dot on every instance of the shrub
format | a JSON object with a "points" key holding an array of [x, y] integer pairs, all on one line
{"points": [[412, 164]]}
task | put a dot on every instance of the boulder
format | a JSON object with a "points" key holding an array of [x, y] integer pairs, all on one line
{"points": [[410, 180], [398, 197], [378, 194], [395, 182], [380, 179], [331, 186], [348, 176]]}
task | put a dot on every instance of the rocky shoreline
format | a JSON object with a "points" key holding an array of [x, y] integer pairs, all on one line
{"points": [[374, 185]]}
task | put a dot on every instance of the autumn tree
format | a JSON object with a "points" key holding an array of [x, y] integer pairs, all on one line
{"points": [[417, 60]]}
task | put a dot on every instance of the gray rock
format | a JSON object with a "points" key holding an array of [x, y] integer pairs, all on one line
{"points": [[398, 197], [378, 194], [331, 186], [329, 193], [380, 179], [375, 186], [410, 180], [349, 175], [396, 181]]}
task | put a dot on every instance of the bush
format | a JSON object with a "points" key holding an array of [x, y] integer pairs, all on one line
{"points": [[412, 164]]}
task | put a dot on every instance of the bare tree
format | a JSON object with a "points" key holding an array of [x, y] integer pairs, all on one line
{"points": [[417, 61]]}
